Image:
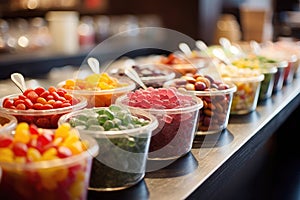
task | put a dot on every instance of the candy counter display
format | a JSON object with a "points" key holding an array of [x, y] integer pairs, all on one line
{"points": [[199, 157], [123, 138]]}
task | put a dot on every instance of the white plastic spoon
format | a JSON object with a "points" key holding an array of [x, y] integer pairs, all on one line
{"points": [[219, 53], [255, 47], [19, 81], [94, 65], [131, 73], [212, 69], [201, 45], [185, 49], [225, 43]]}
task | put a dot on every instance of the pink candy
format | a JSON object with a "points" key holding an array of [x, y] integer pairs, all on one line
{"points": [[159, 98]]}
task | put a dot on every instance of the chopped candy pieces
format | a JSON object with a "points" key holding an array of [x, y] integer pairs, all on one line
{"points": [[160, 98]]}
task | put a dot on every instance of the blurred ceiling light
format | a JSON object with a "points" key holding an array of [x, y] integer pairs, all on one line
{"points": [[23, 41], [32, 4]]}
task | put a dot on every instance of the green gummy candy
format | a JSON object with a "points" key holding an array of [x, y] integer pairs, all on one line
{"points": [[92, 121], [108, 125], [115, 108], [82, 117], [76, 122], [109, 114], [96, 128], [102, 119]]}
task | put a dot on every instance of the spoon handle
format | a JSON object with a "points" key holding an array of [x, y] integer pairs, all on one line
{"points": [[94, 65], [131, 73], [201, 45], [19, 81]]}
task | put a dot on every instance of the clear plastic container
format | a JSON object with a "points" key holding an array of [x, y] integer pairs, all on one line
{"points": [[279, 76], [101, 98], [246, 97], [65, 178], [289, 71], [214, 115], [176, 130], [7, 123], [41, 118], [267, 84], [121, 162]]}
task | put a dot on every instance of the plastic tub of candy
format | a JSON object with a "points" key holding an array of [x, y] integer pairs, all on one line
{"points": [[123, 137], [99, 89], [40, 106], [177, 115], [266, 66], [291, 48], [290, 70], [216, 96], [246, 97], [267, 84], [279, 76], [152, 75], [52, 165], [278, 52], [7, 123]]}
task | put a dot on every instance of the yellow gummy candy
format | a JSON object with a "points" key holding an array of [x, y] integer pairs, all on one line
{"points": [[22, 133], [50, 154], [62, 130], [33, 154]]}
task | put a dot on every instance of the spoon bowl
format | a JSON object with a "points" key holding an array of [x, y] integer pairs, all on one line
{"points": [[94, 65], [185, 49], [18, 80]]}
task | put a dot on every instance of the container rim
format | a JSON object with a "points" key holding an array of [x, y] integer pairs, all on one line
{"points": [[92, 151], [10, 125], [198, 105], [167, 76], [82, 103], [258, 78], [135, 131], [130, 86], [232, 88]]}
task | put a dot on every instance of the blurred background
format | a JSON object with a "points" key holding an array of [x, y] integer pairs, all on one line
{"points": [[26, 26]]}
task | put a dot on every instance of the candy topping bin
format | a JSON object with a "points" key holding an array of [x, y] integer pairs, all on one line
{"points": [[177, 115], [216, 97], [45, 164], [123, 137], [99, 89]]}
